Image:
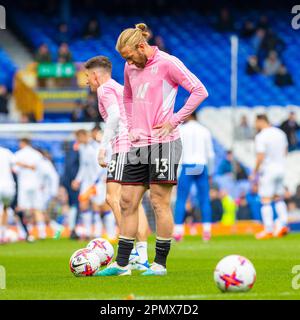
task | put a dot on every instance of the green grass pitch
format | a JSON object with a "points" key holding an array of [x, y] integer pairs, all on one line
{"points": [[40, 271]]}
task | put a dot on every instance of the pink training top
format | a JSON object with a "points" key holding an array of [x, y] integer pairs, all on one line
{"points": [[149, 96], [110, 103]]}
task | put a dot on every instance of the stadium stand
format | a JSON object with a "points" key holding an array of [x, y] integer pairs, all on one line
{"points": [[205, 49]]}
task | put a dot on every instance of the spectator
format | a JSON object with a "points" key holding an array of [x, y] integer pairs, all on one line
{"points": [[90, 110], [43, 54], [283, 77], [92, 30], [77, 114], [216, 204], [263, 23], [253, 66], [3, 103], [257, 40], [27, 118], [271, 42], [225, 21], [90, 114], [159, 42], [290, 127], [63, 34], [226, 166], [271, 64], [64, 54], [243, 131], [248, 29], [243, 211], [254, 202], [240, 172], [229, 208]]}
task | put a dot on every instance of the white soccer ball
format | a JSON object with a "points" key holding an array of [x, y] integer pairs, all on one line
{"points": [[84, 263], [235, 273], [103, 249]]}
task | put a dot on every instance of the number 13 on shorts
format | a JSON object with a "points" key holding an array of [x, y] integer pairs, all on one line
{"points": [[162, 165]]}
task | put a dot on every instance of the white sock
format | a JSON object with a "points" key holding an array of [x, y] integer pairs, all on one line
{"points": [[2, 232], [267, 217], [87, 218], [98, 226], [110, 224], [72, 218], [133, 251], [282, 213], [207, 227], [41, 226], [179, 229], [141, 248]]}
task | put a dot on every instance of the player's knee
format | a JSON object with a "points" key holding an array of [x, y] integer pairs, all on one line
{"points": [[127, 205], [111, 200], [159, 203]]}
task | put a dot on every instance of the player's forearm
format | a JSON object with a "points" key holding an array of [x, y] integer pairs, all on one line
{"points": [[198, 95], [107, 138], [259, 161], [111, 128], [256, 168]]}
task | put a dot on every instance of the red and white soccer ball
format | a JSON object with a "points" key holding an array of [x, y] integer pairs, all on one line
{"points": [[235, 273], [103, 249], [84, 263]]}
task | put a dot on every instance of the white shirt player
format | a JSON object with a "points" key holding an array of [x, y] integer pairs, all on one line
{"points": [[197, 145], [29, 186], [90, 173], [49, 180], [272, 142], [7, 183], [28, 178]]}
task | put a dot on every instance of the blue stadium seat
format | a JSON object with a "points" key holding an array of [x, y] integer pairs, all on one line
{"points": [[193, 40]]}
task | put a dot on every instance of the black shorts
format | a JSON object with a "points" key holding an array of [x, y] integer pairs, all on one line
{"points": [[153, 164], [116, 167]]}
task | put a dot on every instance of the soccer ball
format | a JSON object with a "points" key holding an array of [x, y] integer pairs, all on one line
{"points": [[84, 263], [103, 249], [235, 273]]}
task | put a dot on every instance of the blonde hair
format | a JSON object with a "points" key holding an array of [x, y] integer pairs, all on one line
{"points": [[132, 37]]}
